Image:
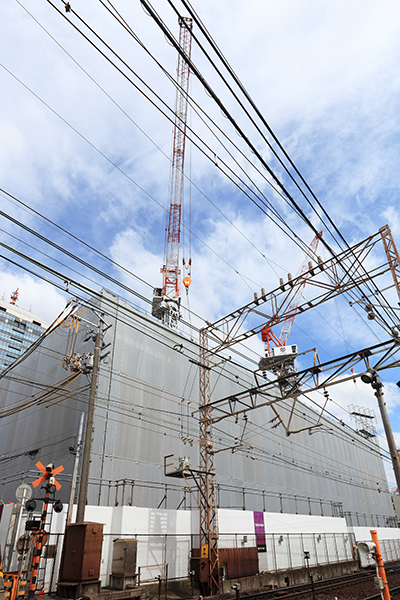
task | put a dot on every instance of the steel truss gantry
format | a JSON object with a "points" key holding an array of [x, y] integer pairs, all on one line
{"points": [[345, 272], [318, 377]]}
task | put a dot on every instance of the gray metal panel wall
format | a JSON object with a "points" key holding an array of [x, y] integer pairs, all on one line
{"points": [[147, 392]]}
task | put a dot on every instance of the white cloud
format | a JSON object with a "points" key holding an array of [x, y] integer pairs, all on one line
{"points": [[41, 298], [325, 75]]}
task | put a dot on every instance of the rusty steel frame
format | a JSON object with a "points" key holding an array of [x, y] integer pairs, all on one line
{"points": [[392, 256], [227, 331], [208, 505], [317, 377], [328, 279]]}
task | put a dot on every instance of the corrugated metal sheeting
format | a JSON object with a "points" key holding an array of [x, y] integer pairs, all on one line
{"points": [[238, 562], [147, 392]]}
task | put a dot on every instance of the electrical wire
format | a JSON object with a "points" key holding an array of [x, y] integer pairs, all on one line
{"points": [[387, 309], [260, 115]]}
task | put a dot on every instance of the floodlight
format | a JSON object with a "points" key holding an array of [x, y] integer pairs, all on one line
{"points": [[366, 547], [368, 376]]}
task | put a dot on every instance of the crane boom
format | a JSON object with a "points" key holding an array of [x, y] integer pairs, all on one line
{"points": [[305, 270], [166, 303], [275, 348], [267, 334]]}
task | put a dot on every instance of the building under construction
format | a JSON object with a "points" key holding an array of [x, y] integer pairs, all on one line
{"points": [[146, 427]]}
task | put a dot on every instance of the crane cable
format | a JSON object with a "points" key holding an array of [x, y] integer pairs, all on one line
{"points": [[211, 92], [269, 129]]}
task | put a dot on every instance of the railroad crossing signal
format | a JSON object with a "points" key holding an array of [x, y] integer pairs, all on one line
{"points": [[48, 475]]}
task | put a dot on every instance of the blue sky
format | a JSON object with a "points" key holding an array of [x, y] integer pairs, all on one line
{"points": [[324, 75]]}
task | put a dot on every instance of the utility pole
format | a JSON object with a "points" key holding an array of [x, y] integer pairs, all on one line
{"points": [[75, 471], [372, 377], [80, 514]]}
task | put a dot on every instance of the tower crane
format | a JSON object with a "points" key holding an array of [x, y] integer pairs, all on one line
{"points": [[166, 300], [276, 349]]}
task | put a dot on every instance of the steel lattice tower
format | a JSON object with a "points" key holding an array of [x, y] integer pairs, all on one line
{"points": [[171, 267]]}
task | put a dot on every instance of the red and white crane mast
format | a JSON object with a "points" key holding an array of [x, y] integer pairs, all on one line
{"points": [[166, 303]]}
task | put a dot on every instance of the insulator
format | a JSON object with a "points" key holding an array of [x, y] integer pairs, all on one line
{"points": [[281, 284], [262, 292]]}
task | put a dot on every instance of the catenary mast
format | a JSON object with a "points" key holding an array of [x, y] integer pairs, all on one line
{"points": [[166, 301]]}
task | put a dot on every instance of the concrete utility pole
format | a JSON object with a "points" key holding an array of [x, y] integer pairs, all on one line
{"points": [[372, 377], [80, 514], [75, 471]]}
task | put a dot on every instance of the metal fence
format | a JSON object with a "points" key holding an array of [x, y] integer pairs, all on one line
{"points": [[390, 550], [49, 565], [287, 551], [161, 556], [157, 556], [169, 555], [174, 496]]}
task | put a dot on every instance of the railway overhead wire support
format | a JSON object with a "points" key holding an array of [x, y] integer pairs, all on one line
{"points": [[371, 376], [340, 274], [292, 310], [392, 256], [209, 568], [344, 273], [317, 377]]}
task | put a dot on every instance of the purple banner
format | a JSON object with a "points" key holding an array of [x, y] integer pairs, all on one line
{"points": [[259, 530]]}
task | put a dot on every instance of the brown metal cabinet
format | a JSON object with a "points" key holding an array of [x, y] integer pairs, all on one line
{"points": [[82, 552]]}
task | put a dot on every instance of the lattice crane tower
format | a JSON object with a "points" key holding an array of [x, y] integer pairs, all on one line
{"points": [[166, 301]]}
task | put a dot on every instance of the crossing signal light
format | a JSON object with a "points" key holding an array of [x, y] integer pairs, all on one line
{"points": [[30, 505], [58, 506]]}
